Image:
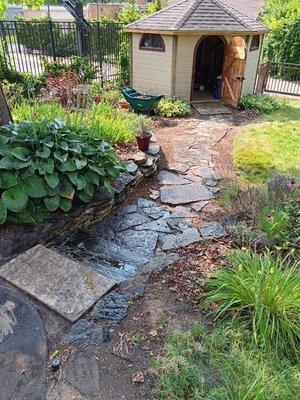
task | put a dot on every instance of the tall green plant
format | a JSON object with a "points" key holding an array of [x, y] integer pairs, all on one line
{"points": [[263, 293]]}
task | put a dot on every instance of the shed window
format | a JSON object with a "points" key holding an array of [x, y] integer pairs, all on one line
{"points": [[254, 43], [152, 42]]}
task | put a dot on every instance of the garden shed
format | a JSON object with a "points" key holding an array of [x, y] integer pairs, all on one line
{"points": [[192, 48]]}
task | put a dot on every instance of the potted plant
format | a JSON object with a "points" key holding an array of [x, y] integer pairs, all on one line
{"points": [[123, 104], [142, 130], [97, 93]]}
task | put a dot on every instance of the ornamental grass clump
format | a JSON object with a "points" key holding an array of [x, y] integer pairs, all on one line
{"points": [[263, 293], [46, 166]]}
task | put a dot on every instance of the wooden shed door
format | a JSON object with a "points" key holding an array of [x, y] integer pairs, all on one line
{"points": [[233, 71]]}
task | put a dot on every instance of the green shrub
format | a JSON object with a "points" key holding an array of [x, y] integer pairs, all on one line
{"points": [[222, 364], [263, 293], [171, 107], [112, 97], [274, 222], [45, 166], [102, 121], [14, 92], [260, 102]]}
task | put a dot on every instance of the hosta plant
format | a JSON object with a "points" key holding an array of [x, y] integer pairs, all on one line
{"points": [[46, 166]]}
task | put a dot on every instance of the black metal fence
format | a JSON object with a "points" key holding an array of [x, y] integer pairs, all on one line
{"points": [[277, 77], [27, 45]]}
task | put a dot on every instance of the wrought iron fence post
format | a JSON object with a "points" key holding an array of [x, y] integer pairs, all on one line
{"points": [[100, 53], [52, 40]]}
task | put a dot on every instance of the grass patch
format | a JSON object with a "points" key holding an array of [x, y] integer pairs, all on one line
{"points": [[101, 121], [223, 364], [262, 293], [269, 146]]}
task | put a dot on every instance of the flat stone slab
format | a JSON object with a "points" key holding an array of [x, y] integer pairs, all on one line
{"points": [[199, 205], [184, 194], [63, 285], [176, 241], [204, 172], [211, 108], [23, 350], [112, 308], [86, 335], [213, 230], [169, 178]]}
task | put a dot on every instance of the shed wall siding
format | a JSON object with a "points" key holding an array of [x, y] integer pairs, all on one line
{"points": [[251, 67], [152, 70]]}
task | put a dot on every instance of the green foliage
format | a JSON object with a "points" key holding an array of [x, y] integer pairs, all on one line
{"points": [[102, 121], [274, 222], [124, 63], [283, 18], [142, 126], [45, 166], [154, 7], [269, 146], [260, 102], [264, 294], [129, 13], [14, 92], [112, 97], [172, 107], [222, 364], [81, 65]]}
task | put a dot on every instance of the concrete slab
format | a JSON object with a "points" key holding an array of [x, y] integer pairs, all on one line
{"points": [[63, 285]]}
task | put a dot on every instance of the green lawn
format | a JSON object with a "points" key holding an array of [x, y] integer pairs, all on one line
{"points": [[271, 145]]}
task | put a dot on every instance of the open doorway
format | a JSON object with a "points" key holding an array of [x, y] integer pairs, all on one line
{"points": [[208, 66]]}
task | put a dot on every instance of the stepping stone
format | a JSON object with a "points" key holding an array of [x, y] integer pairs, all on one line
{"points": [[123, 222], [62, 284], [60, 390], [178, 167], [23, 350], [184, 194], [205, 172], [213, 230], [159, 225], [178, 240], [199, 205], [127, 209], [82, 372], [112, 308], [141, 242], [85, 334], [182, 212], [169, 178]]}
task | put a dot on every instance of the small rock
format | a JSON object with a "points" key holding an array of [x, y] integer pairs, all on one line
{"points": [[86, 334], [230, 220], [138, 158], [153, 138], [153, 149], [154, 212], [131, 167], [159, 225], [178, 240], [210, 182], [112, 308], [150, 161], [138, 377], [154, 194], [213, 230], [214, 189], [199, 205]]}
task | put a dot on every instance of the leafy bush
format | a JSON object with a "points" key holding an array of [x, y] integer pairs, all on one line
{"points": [[222, 364], [129, 13], [264, 294], [102, 121], [81, 66], [260, 102], [112, 97], [171, 107], [14, 92], [45, 166]]}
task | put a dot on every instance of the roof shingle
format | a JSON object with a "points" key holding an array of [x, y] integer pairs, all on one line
{"points": [[200, 16]]}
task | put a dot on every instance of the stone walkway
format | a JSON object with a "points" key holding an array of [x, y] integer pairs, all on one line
{"points": [[135, 240]]}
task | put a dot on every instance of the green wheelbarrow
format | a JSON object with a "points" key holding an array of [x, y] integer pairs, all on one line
{"points": [[140, 102]]}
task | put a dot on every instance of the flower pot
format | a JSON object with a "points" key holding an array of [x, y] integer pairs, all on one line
{"points": [[143, 142], [97, 99], [123, 104]]}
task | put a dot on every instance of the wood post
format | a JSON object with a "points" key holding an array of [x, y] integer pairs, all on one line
{"points": [[5, 115]]}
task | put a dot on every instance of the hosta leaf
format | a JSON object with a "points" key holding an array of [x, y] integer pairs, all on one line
{"points": [[19, 164], [78, 180], [75, 148], [72, 137], [65, 204], [34, 186], [3, 140], [44, 152], [3, 213], [20, 153], [113, 172], [107, 185], [52, 203], [5, 150], [80, 162], [48, 141], [89, 190], [92, 177], [8, 179], [89, 150], [52, 180], [46, 167], [84, 197], [41, 215], [14, 199], [63, 145], [7, 162], [96, 168], [67, 166], [62, 157], [67, 190]]}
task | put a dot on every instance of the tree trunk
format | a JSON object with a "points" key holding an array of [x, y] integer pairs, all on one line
{"points": [[5, 115]]}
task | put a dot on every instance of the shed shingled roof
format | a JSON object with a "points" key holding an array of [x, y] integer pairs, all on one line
{"points": [[200, 16]]}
